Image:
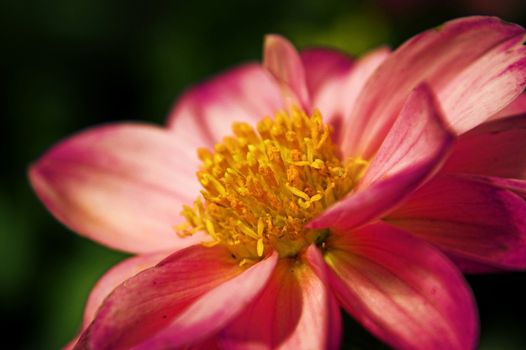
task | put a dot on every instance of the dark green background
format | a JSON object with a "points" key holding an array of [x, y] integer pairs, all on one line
{"points": [[66, 65]]}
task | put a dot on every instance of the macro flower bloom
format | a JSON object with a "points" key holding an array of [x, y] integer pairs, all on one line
{"points": [[322, 182]]}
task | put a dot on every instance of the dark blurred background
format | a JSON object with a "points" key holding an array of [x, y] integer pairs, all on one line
{"points": [[66, 65]]}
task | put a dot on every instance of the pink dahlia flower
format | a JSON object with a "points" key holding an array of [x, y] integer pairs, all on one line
{"points": [[365, 184]]}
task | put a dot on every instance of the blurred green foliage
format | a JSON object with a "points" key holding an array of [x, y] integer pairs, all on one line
{"points": [[67, 65]]}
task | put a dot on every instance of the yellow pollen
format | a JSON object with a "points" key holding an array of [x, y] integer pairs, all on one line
{"points": [[261, 186]]}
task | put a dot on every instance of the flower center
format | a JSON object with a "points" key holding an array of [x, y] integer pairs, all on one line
{"points": [[260, 187]]}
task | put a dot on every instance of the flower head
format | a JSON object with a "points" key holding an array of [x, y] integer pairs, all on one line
{"points": [[322, 182], [262, 187]]}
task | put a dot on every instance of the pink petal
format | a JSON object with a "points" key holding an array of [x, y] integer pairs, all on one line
{"points": [[122, 185], [471, 219], [214, 309], [334, 83], [413, 150], [208, 344], [282, 60], [116, 276], [293, 312], [144, 306], [205, 113], [472, 267], [513, 185], [315, 260], [401, 289], [518, 106], [476, 66], [516, 186], [112, 279], [322, 66], [325, 72], [496, 148]]}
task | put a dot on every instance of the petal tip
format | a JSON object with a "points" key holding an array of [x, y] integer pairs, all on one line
{"points": [[39, 181], [272, 39]]}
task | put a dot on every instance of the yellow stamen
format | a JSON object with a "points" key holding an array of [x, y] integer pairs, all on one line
{"points": [[297, 192], [261, 227], [260, 247], [261, 186]]}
